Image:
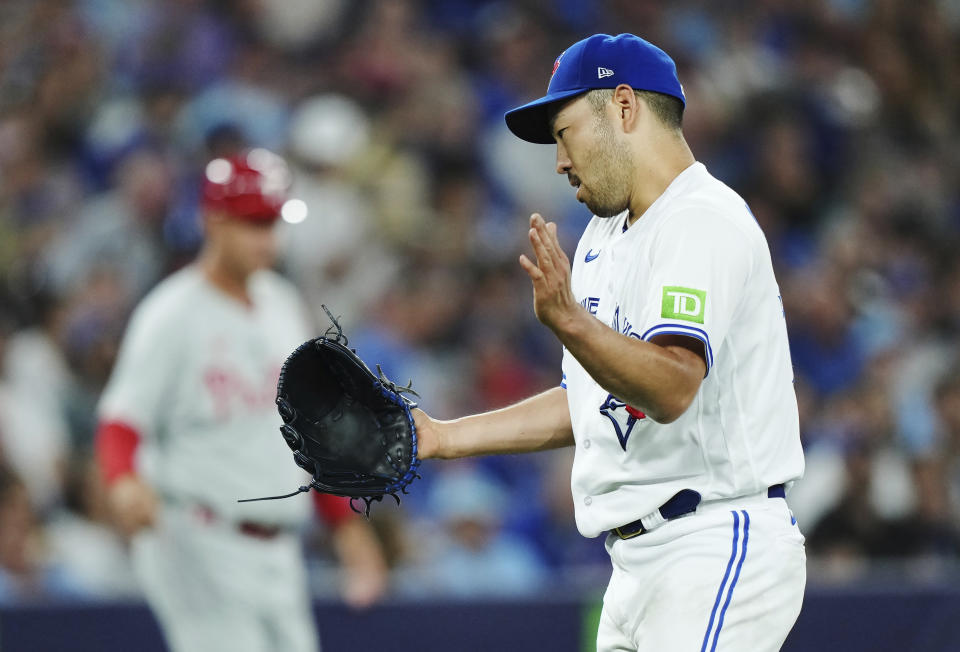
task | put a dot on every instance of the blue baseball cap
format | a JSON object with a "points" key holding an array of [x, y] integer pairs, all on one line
{"points": [[599, 61]]}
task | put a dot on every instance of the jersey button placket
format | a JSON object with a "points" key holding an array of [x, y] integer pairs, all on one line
{"points": [[586, 443], [588, 501]]}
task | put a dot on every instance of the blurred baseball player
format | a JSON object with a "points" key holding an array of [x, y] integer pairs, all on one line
{"points": [[188, 425], [677, 389]]}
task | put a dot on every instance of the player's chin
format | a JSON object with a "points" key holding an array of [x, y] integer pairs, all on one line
{"points": [[265, 260], [604, 210], [258, 266]]}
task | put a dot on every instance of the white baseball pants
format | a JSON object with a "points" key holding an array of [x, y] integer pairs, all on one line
{"points": [[214, 589], [728, 578]]}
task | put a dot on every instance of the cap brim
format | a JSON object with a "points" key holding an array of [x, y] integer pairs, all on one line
{"points": [[531, 122], [241, 212]]}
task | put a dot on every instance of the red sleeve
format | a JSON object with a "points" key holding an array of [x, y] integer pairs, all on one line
{"points": [[334, 510], [116, 444]]}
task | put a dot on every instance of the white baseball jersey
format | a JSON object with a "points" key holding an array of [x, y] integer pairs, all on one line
{"points": [[696, 263], [196, 377]]}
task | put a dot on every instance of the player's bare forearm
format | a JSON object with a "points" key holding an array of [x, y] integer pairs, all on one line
{"points": [[541, 422], [365, 576], [659, 379]]}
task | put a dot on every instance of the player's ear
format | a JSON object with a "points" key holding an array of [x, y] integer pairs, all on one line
{"points": [[628, 106]]}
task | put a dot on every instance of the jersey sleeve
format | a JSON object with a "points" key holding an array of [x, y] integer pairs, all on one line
{"points": [[700, 264], [334, 510], [144, 372], [116, 446]]}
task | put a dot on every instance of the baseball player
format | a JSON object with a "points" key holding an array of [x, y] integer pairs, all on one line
{"points": [[188, 426], [677, 385]]}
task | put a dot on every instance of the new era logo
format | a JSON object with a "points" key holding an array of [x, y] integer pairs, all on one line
{"points": [[604, 72]]}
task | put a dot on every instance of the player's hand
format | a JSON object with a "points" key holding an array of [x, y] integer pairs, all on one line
{"points": [[553, 300], [429, 437], [364, 585], [133, 504]]}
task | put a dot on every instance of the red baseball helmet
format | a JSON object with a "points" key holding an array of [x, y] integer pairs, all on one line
{"points": [[252, 185]]}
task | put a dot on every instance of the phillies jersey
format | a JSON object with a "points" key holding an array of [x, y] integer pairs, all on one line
{"points": [[196, 377], [697, 264]]}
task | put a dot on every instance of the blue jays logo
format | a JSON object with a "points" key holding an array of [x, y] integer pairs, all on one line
{"points": [[611, 410]]}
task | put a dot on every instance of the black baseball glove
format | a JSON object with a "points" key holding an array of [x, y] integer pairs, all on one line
{"points": [[351, 429]]}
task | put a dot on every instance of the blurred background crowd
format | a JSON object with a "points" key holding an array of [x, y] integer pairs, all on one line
{"points": [[837, 120]]}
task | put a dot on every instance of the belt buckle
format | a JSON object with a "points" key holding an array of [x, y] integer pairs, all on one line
{"points": [[620, 533]]}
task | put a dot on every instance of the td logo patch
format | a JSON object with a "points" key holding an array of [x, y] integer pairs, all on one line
{"points": [[687, 304]]}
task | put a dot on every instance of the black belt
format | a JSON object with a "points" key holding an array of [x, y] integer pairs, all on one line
{"points": [[259, 530], [682, 503], [249, 528]]}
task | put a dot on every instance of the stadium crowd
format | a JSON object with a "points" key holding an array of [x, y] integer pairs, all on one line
{"points": [[837, 120]]}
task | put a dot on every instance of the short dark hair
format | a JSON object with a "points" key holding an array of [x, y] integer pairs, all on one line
{"points": [[667, 108]]}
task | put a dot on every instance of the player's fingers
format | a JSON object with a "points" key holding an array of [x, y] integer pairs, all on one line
{"points": [[561, 256], [150, 514], [129, 523], [133, 518], [553, 243], [530, 268], [542, 227], [538, 224], [363, 587], [548, 234], [140, 510], [544, 255], [550, 256], [537, 236]]}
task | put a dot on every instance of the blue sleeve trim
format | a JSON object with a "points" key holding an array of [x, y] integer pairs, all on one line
{"points": [[563, 383], [679, 329]]}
